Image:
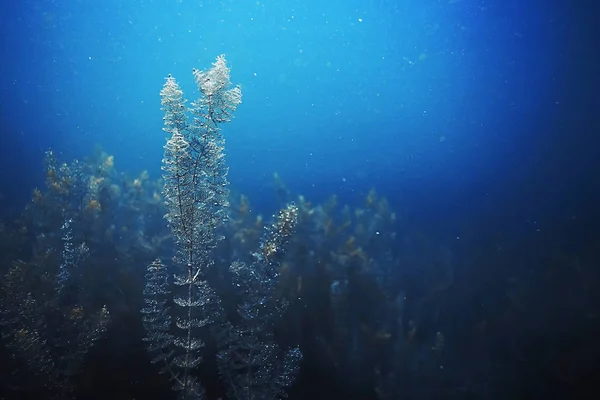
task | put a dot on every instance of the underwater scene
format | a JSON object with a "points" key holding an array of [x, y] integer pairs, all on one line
{"points": [[260, 199]]}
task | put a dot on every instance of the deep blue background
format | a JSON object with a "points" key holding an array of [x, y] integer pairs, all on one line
{"points": [[453, 109], [474, 118]]}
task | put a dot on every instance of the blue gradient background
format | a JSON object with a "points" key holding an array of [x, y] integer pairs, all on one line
{"points": [[477, 120], [448, 106]]}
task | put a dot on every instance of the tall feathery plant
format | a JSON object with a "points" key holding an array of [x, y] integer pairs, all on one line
{"points": [[196, 193]]}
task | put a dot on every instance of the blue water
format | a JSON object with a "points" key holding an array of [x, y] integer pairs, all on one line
{"points": [[471, 117], [414, 99]]}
